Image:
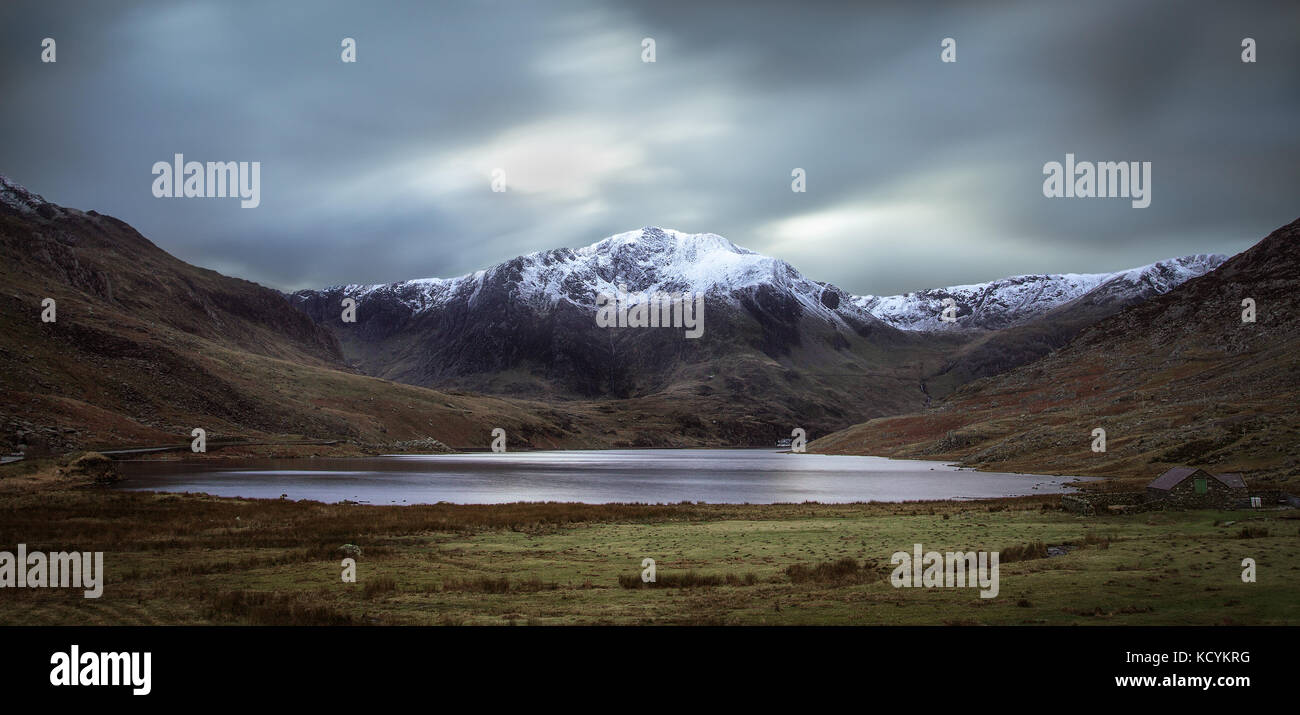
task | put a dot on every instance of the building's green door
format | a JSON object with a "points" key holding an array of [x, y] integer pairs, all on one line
{"points": [[1201, 486]]}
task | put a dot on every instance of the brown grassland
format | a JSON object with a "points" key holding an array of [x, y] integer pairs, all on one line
{"points": [[197, 559]]}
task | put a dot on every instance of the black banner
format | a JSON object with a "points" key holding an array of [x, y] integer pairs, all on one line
{"points": [[210, 664]]}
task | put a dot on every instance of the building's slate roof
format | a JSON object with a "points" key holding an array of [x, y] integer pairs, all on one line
{"points": [[1176, 475]]}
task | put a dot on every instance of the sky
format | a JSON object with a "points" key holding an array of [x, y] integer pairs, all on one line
{"points": [[919, 173]]}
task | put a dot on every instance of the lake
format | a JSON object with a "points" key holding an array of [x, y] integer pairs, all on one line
{"points": [[735, 476]]}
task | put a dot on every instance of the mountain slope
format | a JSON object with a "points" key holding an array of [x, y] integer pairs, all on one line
{"points": [[1178, 379], [146, 347], [778, 349], [98, 258], [1035, 330]]}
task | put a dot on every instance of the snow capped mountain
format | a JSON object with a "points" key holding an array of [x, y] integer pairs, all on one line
{"points": [[528, 326], [1011, 301], [665, 260], [651, 259]]}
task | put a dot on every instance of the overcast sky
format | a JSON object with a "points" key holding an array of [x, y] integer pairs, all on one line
{"points": [[919, 173]]}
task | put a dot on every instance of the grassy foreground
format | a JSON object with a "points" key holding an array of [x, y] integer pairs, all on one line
{"points": [[175, 559]]}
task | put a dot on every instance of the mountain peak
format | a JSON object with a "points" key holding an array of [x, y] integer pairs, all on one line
{"points": [[653, 239], [650, 259], [665, 259], [656, 259], [16, 197]]}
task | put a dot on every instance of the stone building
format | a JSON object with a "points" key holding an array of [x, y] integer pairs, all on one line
{"points": [[1192, 488]]}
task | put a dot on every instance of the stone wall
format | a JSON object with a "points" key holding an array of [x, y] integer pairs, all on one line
{"points": [[1103, 502], [1271, 498], [1156, 499], [1183, 496]]}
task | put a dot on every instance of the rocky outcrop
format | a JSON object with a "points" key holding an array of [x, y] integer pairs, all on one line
{"points": [[92, 467]]}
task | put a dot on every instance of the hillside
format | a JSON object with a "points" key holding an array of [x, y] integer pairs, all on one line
{"points": [[146, 347], [778, 350], [1178, 379]]}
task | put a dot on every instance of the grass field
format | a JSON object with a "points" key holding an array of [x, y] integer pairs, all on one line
{"points": [[178, 559]]}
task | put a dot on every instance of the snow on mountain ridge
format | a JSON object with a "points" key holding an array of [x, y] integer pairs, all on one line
{"points": [[654, 259], [17, 197], [647, 260], [1008, 301], [666, 260]]}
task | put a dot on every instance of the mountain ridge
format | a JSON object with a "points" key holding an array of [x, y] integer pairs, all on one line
{"points": [[1012, 300], [979, 305], [1181, 378], [430, 331], [145, 347], [147, 344]]}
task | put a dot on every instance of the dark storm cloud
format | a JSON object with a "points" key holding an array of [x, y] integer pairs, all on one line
{"points": [[920, 173]]}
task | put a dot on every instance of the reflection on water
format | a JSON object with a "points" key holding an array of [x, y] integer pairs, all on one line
{"points": [[755, 476]]}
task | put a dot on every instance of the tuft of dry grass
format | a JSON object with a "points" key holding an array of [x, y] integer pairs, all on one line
{"points": [[689, 579], [488, 584], [1252, 532], [1023, 552], [379, 586], [840, 571], [1100, 541], [266, 608]]}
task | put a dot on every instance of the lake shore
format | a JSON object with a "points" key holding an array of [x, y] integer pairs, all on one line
{"points": [[197, 559], [710, 475]]}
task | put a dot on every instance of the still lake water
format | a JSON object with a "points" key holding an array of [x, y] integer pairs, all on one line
{"points": [[755, 476]]}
